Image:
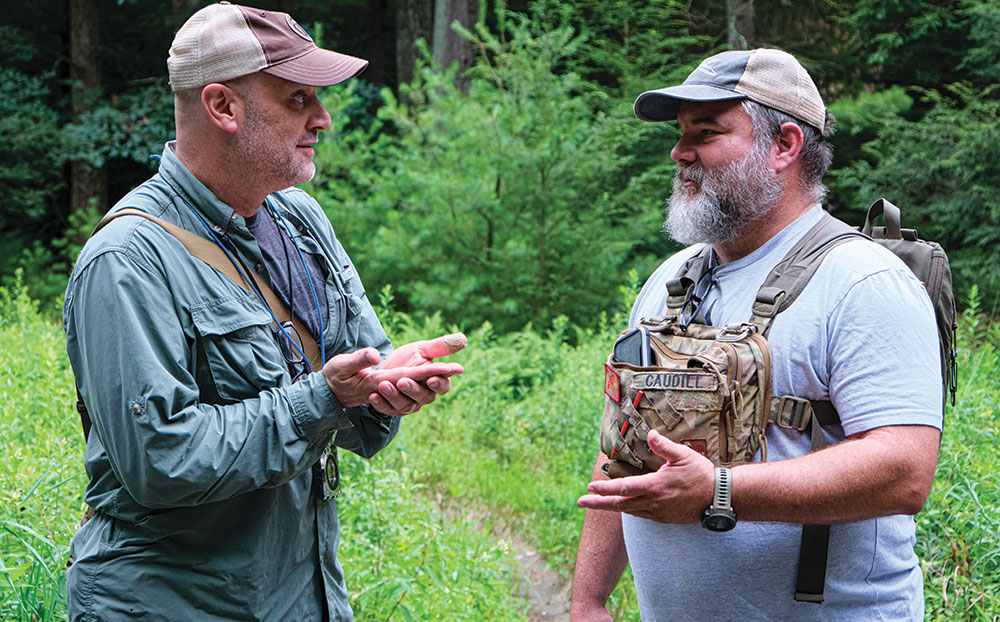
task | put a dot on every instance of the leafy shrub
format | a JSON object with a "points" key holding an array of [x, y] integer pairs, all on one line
{"points": [[941, 171], [41, 461]]}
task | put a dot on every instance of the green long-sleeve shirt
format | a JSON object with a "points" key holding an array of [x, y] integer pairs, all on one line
{"points": [[199, 459]]}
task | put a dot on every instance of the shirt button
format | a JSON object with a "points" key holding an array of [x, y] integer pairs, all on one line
{"points": [[234, 217], [259, 268], [218, 228], [136, 409]]}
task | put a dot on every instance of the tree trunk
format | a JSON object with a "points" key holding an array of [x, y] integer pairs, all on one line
{"points": [[86, 182], [739, 17], [448, 46], [414, 19]]}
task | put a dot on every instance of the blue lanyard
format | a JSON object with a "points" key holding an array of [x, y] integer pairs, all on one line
{"points": [[250, 282], [276, 215]]}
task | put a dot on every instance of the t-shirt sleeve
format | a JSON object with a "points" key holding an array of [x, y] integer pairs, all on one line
{"points": [[883, 354]]}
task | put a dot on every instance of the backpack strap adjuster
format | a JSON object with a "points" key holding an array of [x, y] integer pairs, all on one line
{"points": [[791, 412]]}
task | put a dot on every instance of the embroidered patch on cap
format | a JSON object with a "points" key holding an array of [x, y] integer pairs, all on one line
{"points": [[299, 30]]}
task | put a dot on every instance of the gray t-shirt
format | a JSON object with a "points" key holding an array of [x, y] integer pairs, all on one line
{"points": [[289, 280], [861, 334]]}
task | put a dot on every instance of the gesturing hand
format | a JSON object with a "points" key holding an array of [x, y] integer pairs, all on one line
{"points": [[409, 393], [677, 492], [353, 379]]}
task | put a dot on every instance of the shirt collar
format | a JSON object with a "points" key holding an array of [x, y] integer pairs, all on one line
{"points": [[218, 214], [793, 231]]}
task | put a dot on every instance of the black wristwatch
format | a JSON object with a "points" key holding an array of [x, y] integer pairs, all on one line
{"points": [[720, 516]]}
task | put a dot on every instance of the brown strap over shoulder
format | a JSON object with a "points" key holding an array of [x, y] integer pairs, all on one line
{"points": [[212, 255]]}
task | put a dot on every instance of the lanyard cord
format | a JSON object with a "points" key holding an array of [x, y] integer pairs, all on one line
{"points": [[240, 269], [312, 286]]}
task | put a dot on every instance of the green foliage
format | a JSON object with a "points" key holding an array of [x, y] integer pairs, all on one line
{"points": [[31, 156], [129, 126], [41, 461], [501, 204], [957, 531], [480, 205], [405, 559], [914, 42], [941, 171]]}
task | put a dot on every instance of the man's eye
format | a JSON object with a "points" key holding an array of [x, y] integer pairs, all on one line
{"points": [[299, 99]]}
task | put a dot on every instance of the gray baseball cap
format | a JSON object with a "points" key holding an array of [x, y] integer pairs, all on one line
{"points": [[769, 77]]}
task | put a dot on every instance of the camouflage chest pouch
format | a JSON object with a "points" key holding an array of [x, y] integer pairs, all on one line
{"points": [[709, 388]]}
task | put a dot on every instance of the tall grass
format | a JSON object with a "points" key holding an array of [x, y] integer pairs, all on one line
{"points": [[515, 441]]}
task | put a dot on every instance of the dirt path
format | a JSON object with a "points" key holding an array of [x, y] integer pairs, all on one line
{"points": [[547, 593]]}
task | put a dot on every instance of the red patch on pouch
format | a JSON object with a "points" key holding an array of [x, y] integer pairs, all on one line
{"points": [[612, 383]]}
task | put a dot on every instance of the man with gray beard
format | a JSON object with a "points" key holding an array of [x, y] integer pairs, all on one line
{"points": [[751, 158]]}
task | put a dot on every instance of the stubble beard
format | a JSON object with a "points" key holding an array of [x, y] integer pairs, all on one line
{"points": [[265, 153], [726, 199]]}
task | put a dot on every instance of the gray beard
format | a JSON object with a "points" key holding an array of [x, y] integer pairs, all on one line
{"points": [[727, 200]]}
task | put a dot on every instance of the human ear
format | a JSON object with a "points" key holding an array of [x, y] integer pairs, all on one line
{"points": [[221, 105], [787, 146]]}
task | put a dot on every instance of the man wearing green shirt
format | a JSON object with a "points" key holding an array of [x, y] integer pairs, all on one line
{"points": [[211, 458]]}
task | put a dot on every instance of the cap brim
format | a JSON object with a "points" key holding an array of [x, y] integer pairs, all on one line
{"points": [[318, 67], [663, 104]]}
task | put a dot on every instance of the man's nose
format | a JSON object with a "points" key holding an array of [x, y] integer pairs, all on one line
{"points": [[319, 119], [682, 153]]}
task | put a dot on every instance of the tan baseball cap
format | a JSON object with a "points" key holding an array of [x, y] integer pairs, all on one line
{"points": [[769, 77], [224, 41]]}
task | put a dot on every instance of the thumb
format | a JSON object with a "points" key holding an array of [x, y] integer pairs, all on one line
{"points": [[358, 360], [666, 448], [443, 346]]}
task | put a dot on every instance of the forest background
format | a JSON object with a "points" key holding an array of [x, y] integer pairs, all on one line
{"points": [[486, 173]]}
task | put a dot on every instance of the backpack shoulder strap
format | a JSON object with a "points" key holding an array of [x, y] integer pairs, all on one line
{"points": [[787, 280], [780, 289]]}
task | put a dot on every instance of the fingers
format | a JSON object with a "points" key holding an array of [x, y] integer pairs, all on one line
{"points": [[667, 449], [439, 385], [419, 373], [616, 503], [442, 346], [403, 398], [624, 486]]}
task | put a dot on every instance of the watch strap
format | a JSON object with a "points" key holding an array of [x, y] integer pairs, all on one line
{"points": [[723, 495]]}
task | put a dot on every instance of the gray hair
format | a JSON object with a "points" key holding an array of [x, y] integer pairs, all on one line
{"points": [[816, 154]]}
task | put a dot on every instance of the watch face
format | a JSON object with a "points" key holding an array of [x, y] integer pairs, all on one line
{"points": [[718, 522]]}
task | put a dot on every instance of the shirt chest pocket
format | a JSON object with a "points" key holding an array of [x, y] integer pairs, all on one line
{"points": [[240, 355]]}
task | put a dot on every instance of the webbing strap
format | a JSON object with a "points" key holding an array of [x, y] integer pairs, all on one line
{"points": [[787, 280], [811, 580], [812, 564]]}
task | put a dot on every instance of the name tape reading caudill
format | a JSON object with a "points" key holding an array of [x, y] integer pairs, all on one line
{"points": [[677, 381]]}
